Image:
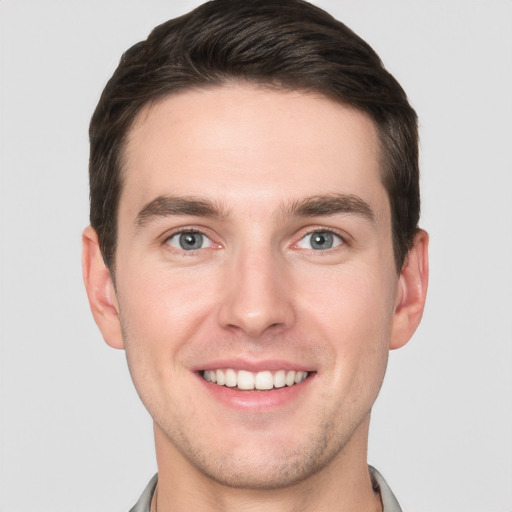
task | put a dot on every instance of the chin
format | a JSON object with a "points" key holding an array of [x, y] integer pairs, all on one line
{"points": [[260, 474], [266, 466]]}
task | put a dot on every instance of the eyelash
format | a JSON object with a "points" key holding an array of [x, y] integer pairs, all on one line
{"points": [[321, 229], [166, 241], [303, 235]]}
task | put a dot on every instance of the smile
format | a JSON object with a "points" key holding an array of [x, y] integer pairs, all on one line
{"points": [[263, 381]]}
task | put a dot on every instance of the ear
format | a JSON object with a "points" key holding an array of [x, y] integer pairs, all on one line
{"points": [[411, 293], [100, 290]]}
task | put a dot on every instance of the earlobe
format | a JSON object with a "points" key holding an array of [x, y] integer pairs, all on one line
{"points": [[411, 295], [100, 290]]}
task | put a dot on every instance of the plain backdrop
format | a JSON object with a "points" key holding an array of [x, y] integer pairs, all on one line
{"points": [[73, 434]]}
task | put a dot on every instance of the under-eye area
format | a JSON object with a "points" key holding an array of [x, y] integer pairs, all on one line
{"points": [[261, 381]]}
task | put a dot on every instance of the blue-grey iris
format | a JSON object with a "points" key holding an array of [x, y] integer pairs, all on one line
{"points": [[322, 240], [191, 241]]}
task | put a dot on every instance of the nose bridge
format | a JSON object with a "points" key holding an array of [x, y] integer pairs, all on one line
{"points": [[257, 294]]}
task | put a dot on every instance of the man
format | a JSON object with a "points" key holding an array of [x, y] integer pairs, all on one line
{"points": [[254, 248]]}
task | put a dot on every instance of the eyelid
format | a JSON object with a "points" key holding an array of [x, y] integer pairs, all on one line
{"points": [[322, 229], [188, 229]]}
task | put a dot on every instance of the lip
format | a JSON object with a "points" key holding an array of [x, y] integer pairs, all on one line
{"points": [[272, 365], [254, 400]]}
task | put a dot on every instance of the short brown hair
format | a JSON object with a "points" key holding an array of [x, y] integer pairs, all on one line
{"points": [[288, 44]]}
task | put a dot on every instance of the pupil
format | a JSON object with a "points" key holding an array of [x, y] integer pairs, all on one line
{"points": [[322, 240], [191, 241]]}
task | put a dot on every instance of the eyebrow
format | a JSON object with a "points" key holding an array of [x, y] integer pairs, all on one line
{"points": [[164, 206], [330, 204]]}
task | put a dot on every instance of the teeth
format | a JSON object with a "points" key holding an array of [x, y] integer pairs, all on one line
{"points": [[264, 380], [280, 379], [210, 375], [221, 377], [245, 380], [230, 378], [300, 376], [290, 378]]}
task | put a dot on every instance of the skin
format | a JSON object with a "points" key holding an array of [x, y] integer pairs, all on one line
{"points": [[258, 293]]}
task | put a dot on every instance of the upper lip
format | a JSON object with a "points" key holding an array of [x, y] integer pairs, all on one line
{"points": [[272, 365]]}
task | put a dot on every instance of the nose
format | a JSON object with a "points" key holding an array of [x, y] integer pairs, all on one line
{"points": [[258, 293]]}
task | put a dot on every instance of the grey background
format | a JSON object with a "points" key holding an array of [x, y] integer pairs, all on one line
{"points": [[73, 435]]}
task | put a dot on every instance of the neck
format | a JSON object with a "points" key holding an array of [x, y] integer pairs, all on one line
{"points": [[343, 484]]}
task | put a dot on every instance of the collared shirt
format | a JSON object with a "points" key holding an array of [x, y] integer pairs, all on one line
{"points": [[389, 502]]}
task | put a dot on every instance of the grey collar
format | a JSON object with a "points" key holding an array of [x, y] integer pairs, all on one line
{"points": [[389, 502]]}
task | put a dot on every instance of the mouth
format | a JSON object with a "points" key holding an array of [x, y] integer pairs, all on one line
{"points": [[262, 381]]}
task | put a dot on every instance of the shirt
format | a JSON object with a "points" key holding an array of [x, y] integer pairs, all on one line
{"points": [[389, 502]]}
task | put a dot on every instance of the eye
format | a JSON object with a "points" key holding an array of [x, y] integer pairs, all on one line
{"points": [[320, 241], [189, 241]]}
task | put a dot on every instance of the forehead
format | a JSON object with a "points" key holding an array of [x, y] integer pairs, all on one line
{"points": [[243, 144]]}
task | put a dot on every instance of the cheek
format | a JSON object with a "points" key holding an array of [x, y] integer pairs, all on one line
{"points": [[349, 299], [160, 312], [165, 303], [352, 311]]}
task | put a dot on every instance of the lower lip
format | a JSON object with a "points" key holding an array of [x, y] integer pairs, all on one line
{"points": [[255, 400]]}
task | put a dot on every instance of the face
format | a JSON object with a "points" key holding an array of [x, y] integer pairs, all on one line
{"points": [[255, 281]]}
